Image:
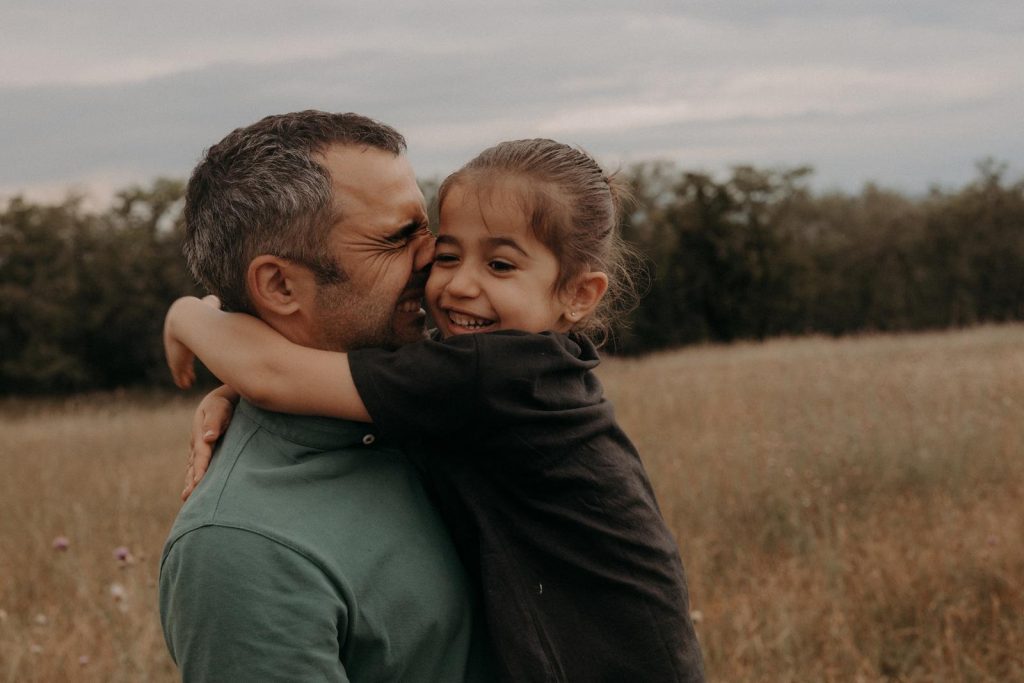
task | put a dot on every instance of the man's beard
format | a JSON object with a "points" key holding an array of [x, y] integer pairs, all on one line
{"points": [[348, 320]]}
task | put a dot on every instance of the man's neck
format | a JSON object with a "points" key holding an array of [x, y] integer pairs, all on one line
{"points": [[299, 329]]}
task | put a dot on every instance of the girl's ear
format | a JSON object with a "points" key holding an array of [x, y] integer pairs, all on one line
{"points": [[277, 286], [584, 294]]}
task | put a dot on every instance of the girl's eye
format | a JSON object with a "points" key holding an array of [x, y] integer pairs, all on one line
{"points": [[445, 259], [501, 266]]}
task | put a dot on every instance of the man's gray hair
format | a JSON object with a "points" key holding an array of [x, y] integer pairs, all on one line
{"points": [[260, 191]]}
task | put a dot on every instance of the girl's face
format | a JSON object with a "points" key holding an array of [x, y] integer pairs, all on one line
{"points": [[490, 272]]}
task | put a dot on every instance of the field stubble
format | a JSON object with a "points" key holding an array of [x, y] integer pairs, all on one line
{"points": [[847, 510]]}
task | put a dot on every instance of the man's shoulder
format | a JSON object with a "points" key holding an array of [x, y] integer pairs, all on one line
{"points": [[202, 506], [326, 489]]}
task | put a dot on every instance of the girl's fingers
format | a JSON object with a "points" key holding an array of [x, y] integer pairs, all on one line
{"points": [[189, 485], [196, 435], [214, 419], [209, 421], [201, 463], [184, 379]]}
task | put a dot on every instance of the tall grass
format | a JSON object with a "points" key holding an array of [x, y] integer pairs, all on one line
{"points": [[847, 510], [104, 472]]}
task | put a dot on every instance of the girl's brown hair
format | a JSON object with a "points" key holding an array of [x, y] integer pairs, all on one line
{"points": [[573, 207]]}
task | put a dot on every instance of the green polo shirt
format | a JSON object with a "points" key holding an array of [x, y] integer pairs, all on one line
{"points": [[310, 552]]}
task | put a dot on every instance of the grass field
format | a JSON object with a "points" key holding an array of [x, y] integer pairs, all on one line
{"points": [[847, 510]]}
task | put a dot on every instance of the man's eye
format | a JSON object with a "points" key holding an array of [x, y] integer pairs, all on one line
{"points": [[407, 237]]}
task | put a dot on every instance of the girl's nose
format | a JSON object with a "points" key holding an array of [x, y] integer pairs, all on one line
{"points": [[463, 284]]}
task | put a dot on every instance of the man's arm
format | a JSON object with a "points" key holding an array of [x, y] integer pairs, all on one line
{"points": [[237, 606], [258, 362]]}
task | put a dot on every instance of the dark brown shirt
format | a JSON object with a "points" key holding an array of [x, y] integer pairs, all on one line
{"points": [[547, 501]]}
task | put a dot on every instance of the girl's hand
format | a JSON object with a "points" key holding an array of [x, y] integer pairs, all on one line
{"points": [[180, 358], [211, 419]]}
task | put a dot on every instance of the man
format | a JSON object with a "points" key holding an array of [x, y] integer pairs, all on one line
{"points": [[310, 551]]}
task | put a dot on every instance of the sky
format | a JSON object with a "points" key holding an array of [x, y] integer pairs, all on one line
{"points": [[96, 96]]}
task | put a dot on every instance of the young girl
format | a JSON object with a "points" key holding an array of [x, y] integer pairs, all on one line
{"points": [[544, 494]]}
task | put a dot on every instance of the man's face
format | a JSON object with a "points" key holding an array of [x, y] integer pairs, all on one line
{"points": [[383, 246]]}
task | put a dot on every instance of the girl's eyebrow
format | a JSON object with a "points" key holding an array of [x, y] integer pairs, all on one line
{"points": [[505, 242], [491, 242]]}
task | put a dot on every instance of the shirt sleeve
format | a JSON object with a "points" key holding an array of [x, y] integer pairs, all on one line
{"points": [[236, 606], [428, 388]]}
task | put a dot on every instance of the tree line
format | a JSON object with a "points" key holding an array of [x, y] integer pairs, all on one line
{"points": [[752, 255], [759, 254]]}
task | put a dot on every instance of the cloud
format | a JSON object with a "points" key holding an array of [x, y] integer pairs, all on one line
{"points": [[903, 92], [791, 92]]}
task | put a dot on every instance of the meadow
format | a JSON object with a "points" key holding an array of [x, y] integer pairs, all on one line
{"points": [[847, 510]]}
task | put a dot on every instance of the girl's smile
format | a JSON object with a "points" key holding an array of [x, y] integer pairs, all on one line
{"points": [[490, 272]]}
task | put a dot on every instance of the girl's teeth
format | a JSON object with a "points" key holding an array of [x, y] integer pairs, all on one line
{"points": [[469, 321]]}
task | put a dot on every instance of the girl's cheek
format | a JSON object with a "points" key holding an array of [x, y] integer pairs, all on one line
{"points": [[434, 282], [431, 290]]}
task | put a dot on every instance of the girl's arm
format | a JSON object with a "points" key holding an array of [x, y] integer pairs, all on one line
{"points": [[259, 363]]}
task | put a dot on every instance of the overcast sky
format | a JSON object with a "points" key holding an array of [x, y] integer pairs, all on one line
{"points": [[101, 94]]}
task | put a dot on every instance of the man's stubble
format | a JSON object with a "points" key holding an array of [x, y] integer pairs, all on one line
{"points": [[348, 319]]}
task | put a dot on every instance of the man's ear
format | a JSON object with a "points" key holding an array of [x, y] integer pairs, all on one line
{"points": [[277, 286], [584, 295]]}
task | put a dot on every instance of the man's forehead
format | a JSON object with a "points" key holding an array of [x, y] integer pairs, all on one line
{"points": [[363, 172], [374, 191]]}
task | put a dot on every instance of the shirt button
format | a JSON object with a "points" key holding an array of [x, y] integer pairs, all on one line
{"points": [[369, 439]]}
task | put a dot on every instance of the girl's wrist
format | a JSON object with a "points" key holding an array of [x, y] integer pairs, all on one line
{"points": [[173, 313], [182, 307]]}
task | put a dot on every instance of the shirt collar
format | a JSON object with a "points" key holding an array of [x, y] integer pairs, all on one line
{"points": [[322, 433]]}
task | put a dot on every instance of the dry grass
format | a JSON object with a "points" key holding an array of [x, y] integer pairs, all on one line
{"points": [[847, 510], [104, 473]]}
